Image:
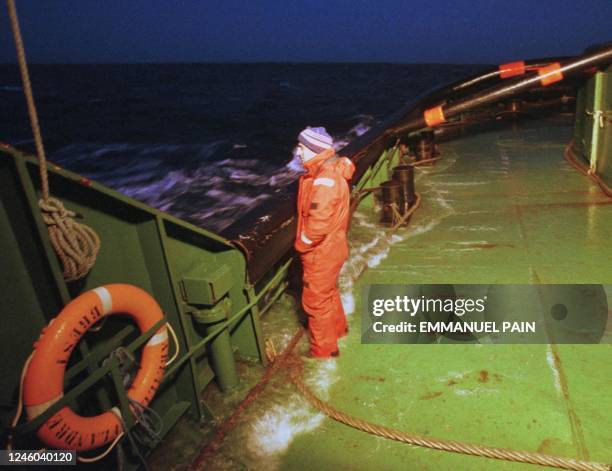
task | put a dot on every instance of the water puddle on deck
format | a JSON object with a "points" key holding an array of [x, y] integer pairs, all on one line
{"points": [[270, 425], [370, 243]]}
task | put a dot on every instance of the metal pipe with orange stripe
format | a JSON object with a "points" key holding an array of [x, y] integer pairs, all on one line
{"points": [[546, 75], [507, 70]]}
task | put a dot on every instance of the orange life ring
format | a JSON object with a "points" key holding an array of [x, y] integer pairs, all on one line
{"points": [[44, 379]]}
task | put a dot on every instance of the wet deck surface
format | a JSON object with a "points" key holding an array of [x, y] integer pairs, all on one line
{"points": [[501, 207]]}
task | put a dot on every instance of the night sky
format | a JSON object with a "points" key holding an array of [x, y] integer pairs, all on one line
{"points": [[443, 31]]}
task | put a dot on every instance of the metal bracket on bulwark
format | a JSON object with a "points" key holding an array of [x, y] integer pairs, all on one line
{"points": [[210, 307], [207, 289]]}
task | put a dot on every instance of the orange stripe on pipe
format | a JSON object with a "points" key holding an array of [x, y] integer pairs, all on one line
{"points": [[434, 116], [550, 74], [511, 69]]}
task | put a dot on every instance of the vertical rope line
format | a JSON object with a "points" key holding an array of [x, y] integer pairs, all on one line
{"points": [[76, 245], [27, 88]]}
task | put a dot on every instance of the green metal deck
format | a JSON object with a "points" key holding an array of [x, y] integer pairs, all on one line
{"points": [[500, 207]]}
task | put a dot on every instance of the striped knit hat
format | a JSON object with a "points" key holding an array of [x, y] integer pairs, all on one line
{"points": [[316, 139]]}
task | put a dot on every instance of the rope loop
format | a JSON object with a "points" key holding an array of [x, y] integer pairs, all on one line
{"points": [[53, 210], [76, 245]]}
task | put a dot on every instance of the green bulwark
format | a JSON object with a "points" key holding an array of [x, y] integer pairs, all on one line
{"points": [[198, 278], [593, 124]]}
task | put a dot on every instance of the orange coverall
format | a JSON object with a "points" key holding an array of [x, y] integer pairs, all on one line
{"points": [[323, 216]]}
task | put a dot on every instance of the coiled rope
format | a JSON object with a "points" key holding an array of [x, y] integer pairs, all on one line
{"points": [[296, 373], [76, 245]]}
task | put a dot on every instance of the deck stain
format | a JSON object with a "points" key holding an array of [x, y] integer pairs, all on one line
{"points": [[483, 376], [380, 379], [483, 246], [432, 395]]}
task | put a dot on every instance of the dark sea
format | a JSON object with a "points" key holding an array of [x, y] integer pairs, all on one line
{"points": [[204, 142]]}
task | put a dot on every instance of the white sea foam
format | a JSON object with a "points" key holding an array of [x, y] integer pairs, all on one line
{"points": [[375, 260], [275, 430], [364, 125], [473, 229], [348, 302], [187, 180], [550, 359]]}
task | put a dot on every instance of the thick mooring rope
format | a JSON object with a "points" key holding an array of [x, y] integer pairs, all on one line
{"points": [[419, 163], [296, 373], [75, 244], [398, 218], [276, 363]]}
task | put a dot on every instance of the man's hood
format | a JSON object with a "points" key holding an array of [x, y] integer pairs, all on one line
{"points": [[342, 165], [345, 167]]}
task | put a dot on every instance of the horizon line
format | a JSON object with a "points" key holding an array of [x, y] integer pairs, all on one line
{"points": [[254, 63]]}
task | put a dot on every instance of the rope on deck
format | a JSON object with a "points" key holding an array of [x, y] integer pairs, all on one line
{"points": [[296, 365], [399, 219], [76, 245], [571, 158], [296, 373], [277, 362], [423, 162]]}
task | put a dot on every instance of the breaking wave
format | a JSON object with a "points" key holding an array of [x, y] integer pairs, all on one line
{"points": [[210, 185]]}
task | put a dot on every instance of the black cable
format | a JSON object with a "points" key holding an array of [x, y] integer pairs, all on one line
{"points": [[135, 446], [143, 416]]}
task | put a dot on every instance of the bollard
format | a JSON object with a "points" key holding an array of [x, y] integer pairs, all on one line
{"points": [[391, 196], [404, 175], [425, 147]]}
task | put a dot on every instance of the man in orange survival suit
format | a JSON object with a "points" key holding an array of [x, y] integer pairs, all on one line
{"points": [[323, 215]]}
